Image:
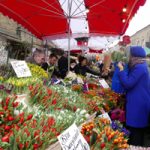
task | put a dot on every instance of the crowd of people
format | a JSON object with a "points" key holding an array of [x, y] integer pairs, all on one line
{"points": [[57, 65]]}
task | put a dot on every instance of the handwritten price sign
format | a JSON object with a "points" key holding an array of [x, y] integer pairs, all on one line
{"points": [[71, 139], [21, 69]]}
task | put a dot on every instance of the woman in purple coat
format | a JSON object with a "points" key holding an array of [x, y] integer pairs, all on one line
{"points": [[137, 85]]}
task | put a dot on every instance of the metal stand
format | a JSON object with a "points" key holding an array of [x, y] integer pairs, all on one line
{"points": [[69, 31]]}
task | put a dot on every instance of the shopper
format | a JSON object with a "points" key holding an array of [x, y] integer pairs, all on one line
{"points": [[137, 84], [82, 67], [38, 57], [50, 66]]}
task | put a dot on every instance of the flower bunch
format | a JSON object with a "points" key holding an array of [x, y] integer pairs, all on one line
{"points": [[34, 134], [101, 98], [118, 114], [118, 56], [71, 99], [94, 105], [24, 130], [77, 87], [45, 97], [100, 135], [37, 71], [20, 84], [116, 125], [110, 98], [93, 86]]}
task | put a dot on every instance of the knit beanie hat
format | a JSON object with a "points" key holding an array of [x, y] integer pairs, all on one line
{"points": [[137, 51]]}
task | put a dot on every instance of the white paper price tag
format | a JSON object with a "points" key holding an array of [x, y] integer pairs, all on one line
{"points": [[21, 69], [71, 139], [104, 84]]}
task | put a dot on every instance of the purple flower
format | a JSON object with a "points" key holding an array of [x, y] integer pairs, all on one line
{"points": [[2, 87], [114, 125], [125, 131]]}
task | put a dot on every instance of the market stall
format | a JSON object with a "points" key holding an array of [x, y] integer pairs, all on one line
{"points": [[36, 111]]}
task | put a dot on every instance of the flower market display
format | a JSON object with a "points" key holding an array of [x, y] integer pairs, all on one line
{"points": [[48, 109], [100, 134]]}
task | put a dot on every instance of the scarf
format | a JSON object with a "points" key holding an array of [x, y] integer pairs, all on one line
{"points": [[136, 60]]}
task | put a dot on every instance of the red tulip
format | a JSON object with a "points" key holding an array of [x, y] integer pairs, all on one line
{"points": [[21, 146], [21, 114], [102, 145], [7, 100], [10, 118], [5, 139], [15, 104], [35, 146], [54, 102], [36, 133], [1, 113], [27, 132], [5, 108], [7, 127], [30, 87], [16, 127], [21, 120], [29, 116], [51, 121], [49, 92], [26, 144], [74, 108]]}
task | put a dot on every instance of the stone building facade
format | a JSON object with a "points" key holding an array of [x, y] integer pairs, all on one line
{"points": [[142, 37], [12, 31]]}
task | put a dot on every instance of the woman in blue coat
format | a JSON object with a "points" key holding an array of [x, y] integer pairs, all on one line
{"points": [[137, 85]]}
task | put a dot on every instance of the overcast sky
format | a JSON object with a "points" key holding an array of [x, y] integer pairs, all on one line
{"points": [[140, 20]]}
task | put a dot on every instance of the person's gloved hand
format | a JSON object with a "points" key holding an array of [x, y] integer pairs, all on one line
{"points": [[120, 66]]}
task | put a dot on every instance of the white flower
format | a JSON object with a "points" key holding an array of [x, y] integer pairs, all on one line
{"points": [[81, 120], [77, 110], [87, 115], [82, 112], [17, 112], [59, 118], [62, 111], [69, 116]]}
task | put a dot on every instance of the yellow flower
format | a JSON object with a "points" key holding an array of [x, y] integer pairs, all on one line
{"points": [[37, 71], [1, 78]]}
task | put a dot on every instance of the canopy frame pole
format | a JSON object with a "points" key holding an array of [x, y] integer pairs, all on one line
{"points": [[69, 31], [46, 48], [69, 40]]}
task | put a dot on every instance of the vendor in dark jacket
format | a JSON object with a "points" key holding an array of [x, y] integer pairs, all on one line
{"points": [[50, 66], [63, 65], [82, 68]]}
